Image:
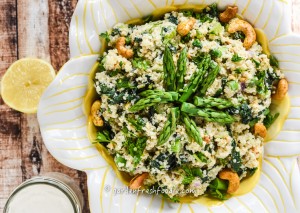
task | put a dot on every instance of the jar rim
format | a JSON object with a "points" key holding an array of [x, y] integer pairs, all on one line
{"points": [[64, 188]]}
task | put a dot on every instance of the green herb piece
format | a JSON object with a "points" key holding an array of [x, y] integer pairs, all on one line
{"points": [[138, 123], [216, 29], [238, 36], [218, 188], [200, 157], [115, 31], [127, 40], [190, 174], [274, 61], [140, 63], [103, 137], [176, 146], [236, 58], [147, 19], [168, 35], [197, 43], [257, 64], [269, 119], [101, 61], [238, 70], [135, 147], [252, 171], [236, 161], [105, 36], [215, 53], [261, 83], [186, 38], [119, 160], [245, 113], [173, 199], [233, 85], [124, 83]]}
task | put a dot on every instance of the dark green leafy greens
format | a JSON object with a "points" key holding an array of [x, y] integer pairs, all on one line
{"points": [[269, 119], [135, 147], [217, 189]]}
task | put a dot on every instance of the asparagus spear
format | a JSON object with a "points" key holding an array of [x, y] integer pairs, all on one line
{"points": [[153, 97], [209, 102], [170, 126], [181, 69], [207, 82], [169, 71], [196, 79], [207, 114], [191, 129]]}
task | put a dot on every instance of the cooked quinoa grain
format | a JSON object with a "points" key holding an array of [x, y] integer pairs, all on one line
{"points": [[153, 123]]}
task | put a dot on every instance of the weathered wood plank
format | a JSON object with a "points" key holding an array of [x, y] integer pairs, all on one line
{"points": [[10, 137], [60, 13]]}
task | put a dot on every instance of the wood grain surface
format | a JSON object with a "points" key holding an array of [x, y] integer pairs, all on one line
{"points": [[38, 28]]}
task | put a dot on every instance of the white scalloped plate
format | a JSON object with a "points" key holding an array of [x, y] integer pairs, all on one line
{"points": [[63, 123]]}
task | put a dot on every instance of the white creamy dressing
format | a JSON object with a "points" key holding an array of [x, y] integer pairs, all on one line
{"points": [[39, 198]]}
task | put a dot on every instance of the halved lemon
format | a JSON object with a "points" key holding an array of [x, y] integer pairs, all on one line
{"points": [[24, 82]]}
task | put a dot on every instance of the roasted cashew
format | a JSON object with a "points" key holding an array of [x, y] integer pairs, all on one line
{"points": [[241, 25], [97, 120], [122, 50], [185, 27], [232, 177], [282, 89], [206, 138], [260, 129], [228, 14], [138, 180]]}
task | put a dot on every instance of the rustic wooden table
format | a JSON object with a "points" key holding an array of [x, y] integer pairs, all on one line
{"points": [[38, 28]]}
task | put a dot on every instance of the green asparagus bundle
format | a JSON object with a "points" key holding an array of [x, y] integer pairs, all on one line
{"points": [[207, 82], [170, 126], [181, 69], [169, 71], [153, 97], [207, 114], [196, 79], [191, 129], [209, 102]]}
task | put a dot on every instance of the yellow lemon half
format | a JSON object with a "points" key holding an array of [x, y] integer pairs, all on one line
{"points": [[24, 82]]}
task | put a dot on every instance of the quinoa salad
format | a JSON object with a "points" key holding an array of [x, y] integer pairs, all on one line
{"points": [[183, 102]]}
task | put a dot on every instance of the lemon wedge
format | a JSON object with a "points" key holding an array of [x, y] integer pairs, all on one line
{"points": [[24, 82]]}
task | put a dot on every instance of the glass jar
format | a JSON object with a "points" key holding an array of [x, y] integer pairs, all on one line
{"points": [[52, 192]]}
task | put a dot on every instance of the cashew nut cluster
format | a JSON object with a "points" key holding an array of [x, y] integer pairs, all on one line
{"points": [[260, 129], [97, 120], [228, 14], [138, 181], [243, 26], [185, 27], [122, 50], [281, 90], [233, 179]]}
